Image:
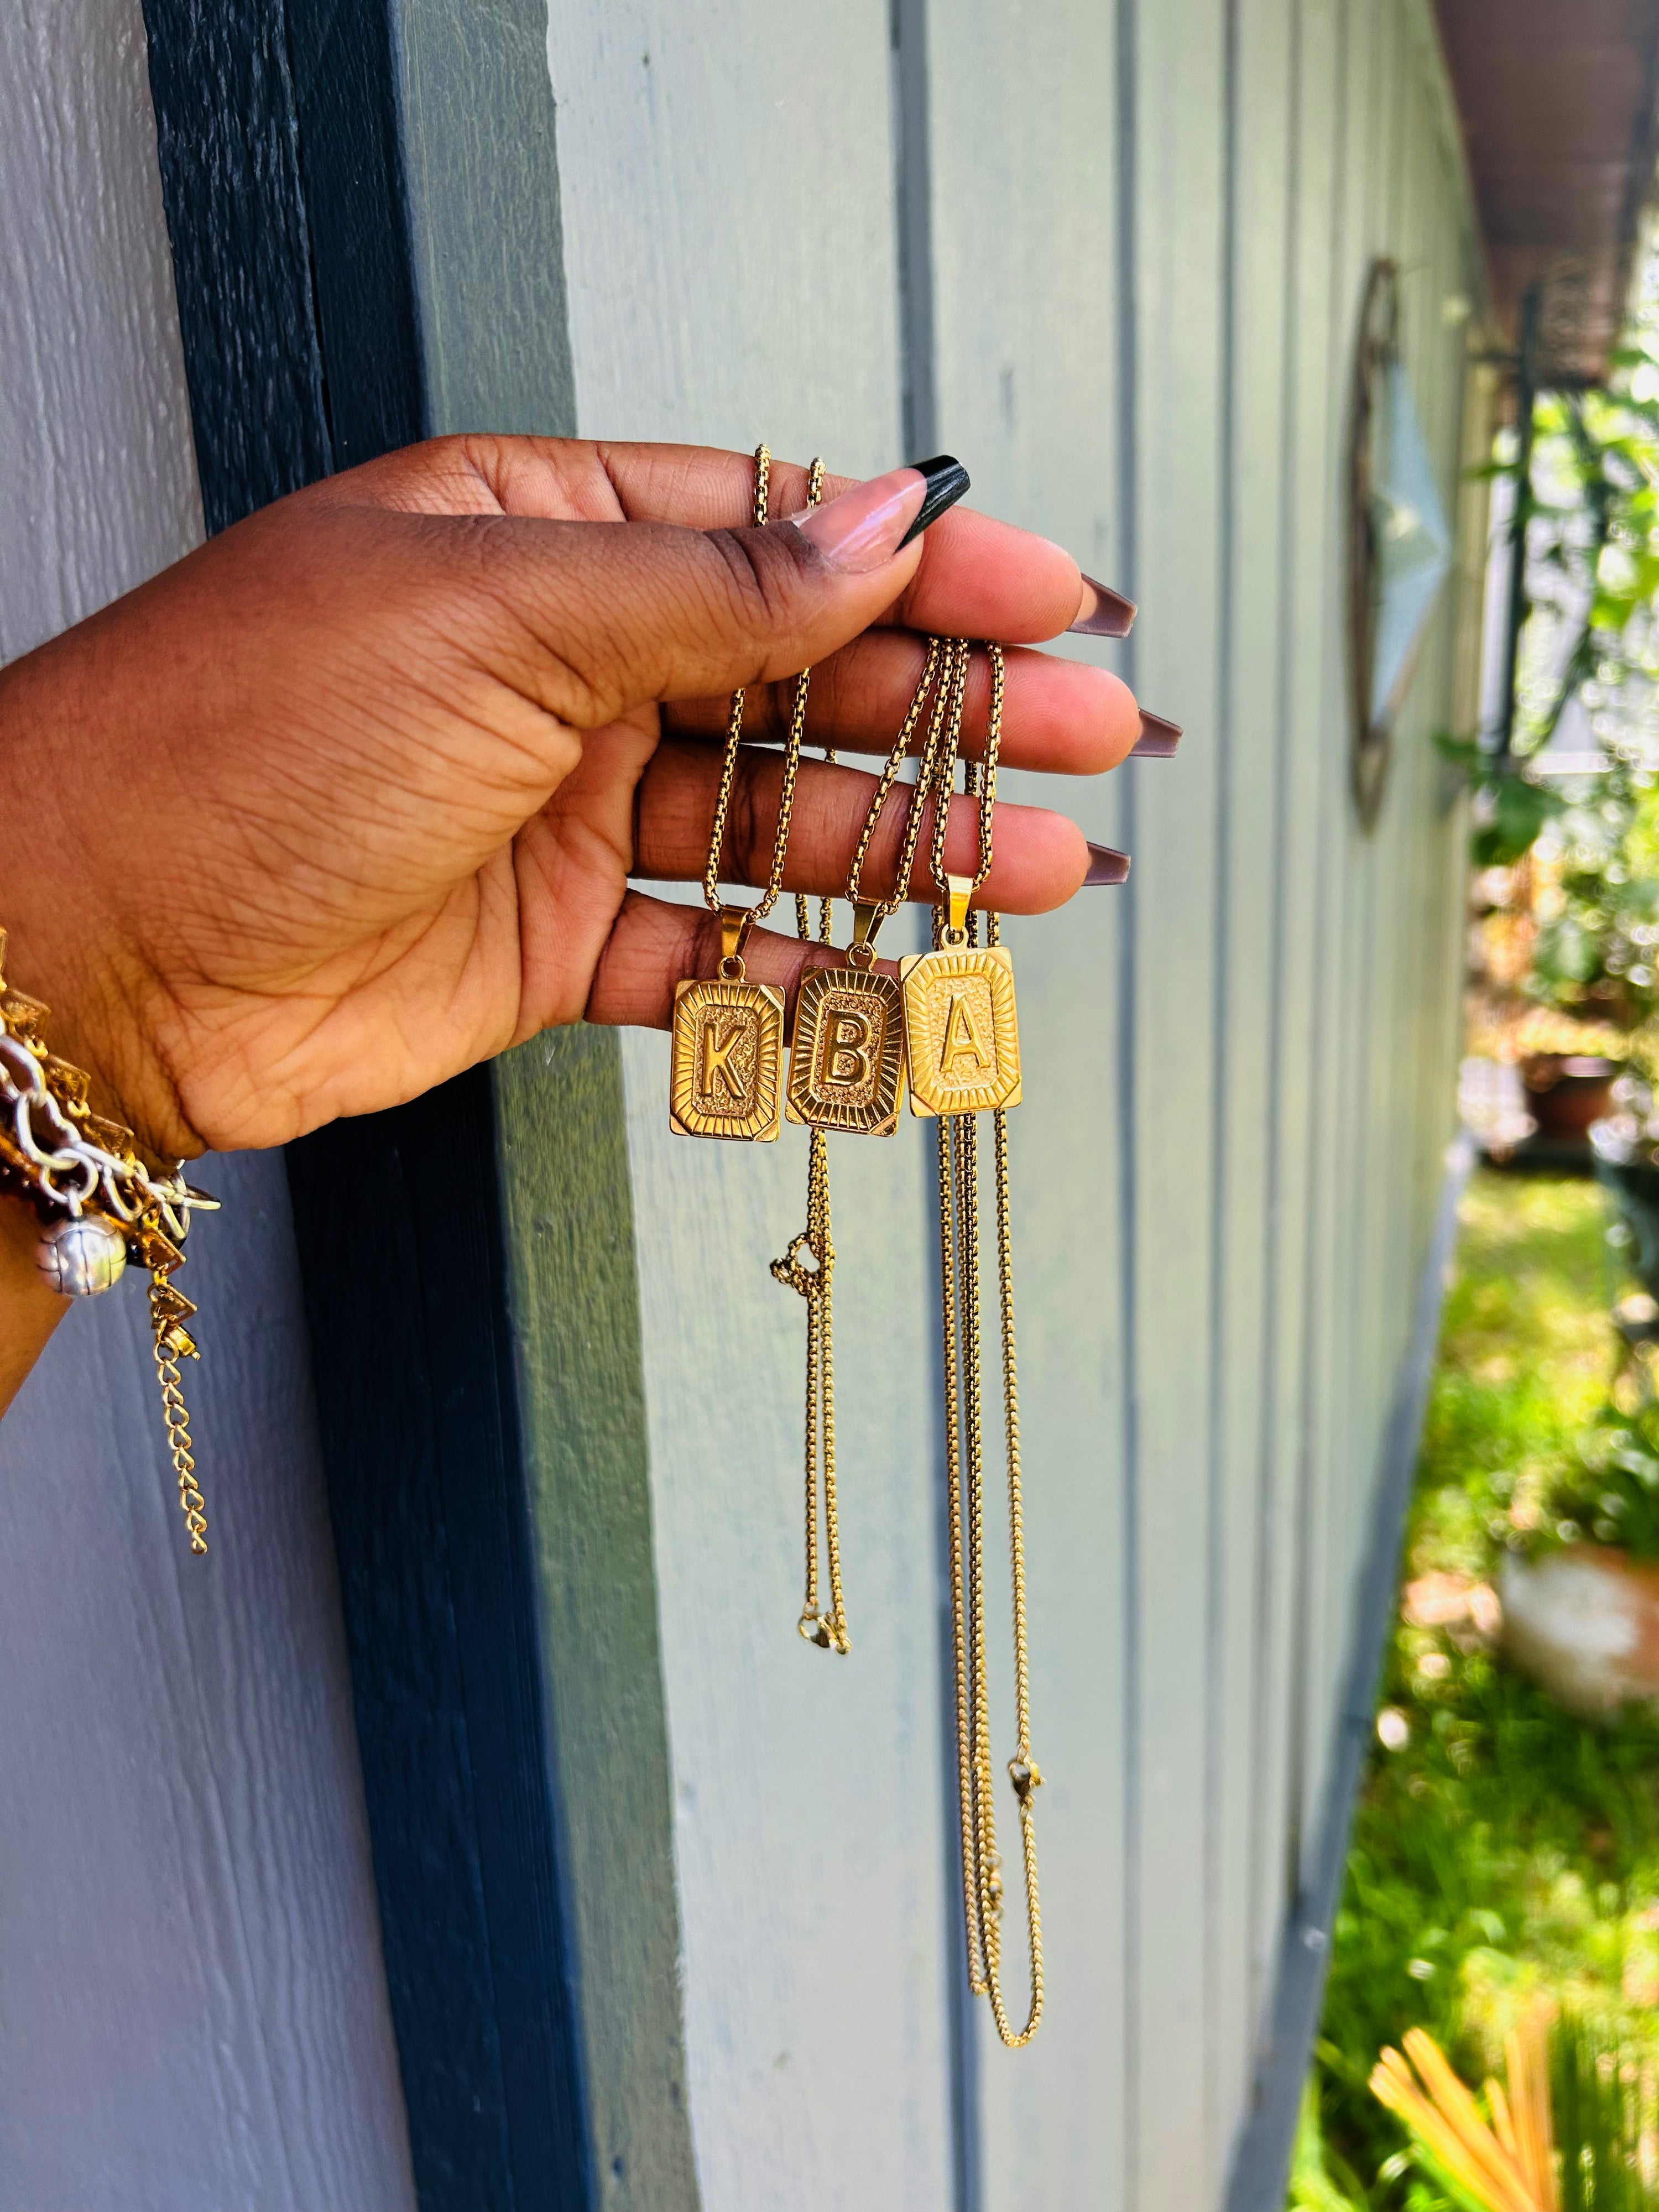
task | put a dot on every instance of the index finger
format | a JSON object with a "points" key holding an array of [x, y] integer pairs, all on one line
{"points": [[978, 577]]}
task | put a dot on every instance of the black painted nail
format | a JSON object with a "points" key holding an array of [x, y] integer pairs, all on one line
{"points": [[1103, 613], [1106, 866], [1158, 737], [946, 480]]}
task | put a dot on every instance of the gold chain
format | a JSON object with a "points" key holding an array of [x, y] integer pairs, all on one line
{"points": [[959, 1272], [768, 899], [174, 1413], [944, 678], [815, 1285]]}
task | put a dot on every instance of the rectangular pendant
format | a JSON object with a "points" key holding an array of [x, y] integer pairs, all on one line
{"points": [[727, 1069], [961, 1035], [846, 1060]]}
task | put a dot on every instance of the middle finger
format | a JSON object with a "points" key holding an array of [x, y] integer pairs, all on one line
{"points": [[1061, 717]]}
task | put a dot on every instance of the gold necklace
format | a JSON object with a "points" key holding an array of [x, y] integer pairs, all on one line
{"points": [[845, 1072], [967, 1038], [726, 1065], [951, 1022]]}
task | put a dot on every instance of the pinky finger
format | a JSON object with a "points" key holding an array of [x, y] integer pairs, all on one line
{"points": [[654, 945]]}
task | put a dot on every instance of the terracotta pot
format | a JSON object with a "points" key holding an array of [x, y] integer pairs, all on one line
{"points": [[1564, 1096], [1584, 1623]]}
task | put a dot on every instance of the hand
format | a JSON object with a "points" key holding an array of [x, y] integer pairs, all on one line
{"points": [[349, 799]]}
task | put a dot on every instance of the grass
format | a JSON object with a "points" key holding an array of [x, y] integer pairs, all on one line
{"points": [[1500, 1847]]}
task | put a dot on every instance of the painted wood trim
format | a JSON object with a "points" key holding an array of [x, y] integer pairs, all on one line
{"points": [[480, 1461], [414, 1366]]}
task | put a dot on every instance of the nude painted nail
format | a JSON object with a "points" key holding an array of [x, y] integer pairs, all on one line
{"points": [[1158, 737], [863, 528], [1103, 612], [1106, 865]]}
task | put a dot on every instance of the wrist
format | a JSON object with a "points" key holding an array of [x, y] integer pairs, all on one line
{"points": [[29, 1309], [69, 948]]}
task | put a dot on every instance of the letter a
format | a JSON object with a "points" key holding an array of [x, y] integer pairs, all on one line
{"points": [[961, 1037]]}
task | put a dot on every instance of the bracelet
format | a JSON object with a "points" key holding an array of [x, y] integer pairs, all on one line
{"points": [[101, 1206]]}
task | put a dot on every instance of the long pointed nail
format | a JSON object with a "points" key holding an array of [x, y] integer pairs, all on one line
{"points": [[946, 480], [1158, 737], [1103, 612], [1106, 866], [862, 529]]}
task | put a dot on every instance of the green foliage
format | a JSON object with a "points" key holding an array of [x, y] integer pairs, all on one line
{"points": [[1588, 503], [1597, 952], [1611, 1497], [1510, 811], [1591, 509], [1313, 2187], [1597, 2105], [1504, 1847]]}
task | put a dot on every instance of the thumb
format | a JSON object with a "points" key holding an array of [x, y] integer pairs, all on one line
{"points": [[597, 618]]}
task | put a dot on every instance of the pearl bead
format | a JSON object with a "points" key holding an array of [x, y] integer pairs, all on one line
{"points": [[80, 1258]]}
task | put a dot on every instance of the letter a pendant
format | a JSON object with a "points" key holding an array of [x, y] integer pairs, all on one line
{"points": [[961, 1035], [727, 1064], [847, 1059]]}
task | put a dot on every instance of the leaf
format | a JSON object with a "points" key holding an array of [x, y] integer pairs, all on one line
{"points": [[1518, 810]]}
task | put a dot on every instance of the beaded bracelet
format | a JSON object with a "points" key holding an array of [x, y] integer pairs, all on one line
{"points": [[100, 1205]]}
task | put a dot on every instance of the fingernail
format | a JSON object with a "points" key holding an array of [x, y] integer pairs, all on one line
{"points": [[1103, 612], [862, 529], [1157, 738], [1106, 866], [946, 480]]}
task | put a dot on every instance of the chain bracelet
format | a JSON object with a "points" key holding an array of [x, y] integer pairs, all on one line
{"points": [[102, 1206]]}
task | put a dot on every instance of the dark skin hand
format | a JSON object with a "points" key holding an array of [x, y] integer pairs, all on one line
{"points": [[349, 800]]}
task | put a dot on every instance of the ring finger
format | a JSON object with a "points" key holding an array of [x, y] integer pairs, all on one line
{"points": [[1039, 858]]}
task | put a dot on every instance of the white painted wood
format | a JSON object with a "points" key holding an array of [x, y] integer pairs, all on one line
{"points": [[1305, 862], [728, 187], [1253, 808], [1373, 207], [1023, 113], [1218, 1431], [192, 1998], [1179, 232]]}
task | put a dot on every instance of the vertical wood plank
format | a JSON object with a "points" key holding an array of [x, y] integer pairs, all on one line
{"points": [[1339, 864], [1179, 96], [485, 241], [1253, 805], [735, 166], [1355, 1135], [1299, 895], [1026, 304]]}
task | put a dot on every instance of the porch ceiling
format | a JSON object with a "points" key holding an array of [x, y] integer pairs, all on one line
{"points": [[1559, 100]]}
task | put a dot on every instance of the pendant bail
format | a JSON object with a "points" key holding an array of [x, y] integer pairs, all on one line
{"points": [[867, 918], [960, 892], [736, 922]]}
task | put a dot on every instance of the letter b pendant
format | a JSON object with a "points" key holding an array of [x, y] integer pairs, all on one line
{"points": [[846, 1060]]}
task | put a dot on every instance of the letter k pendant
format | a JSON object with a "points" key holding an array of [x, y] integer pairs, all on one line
{"points": [[726, 1071]]}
